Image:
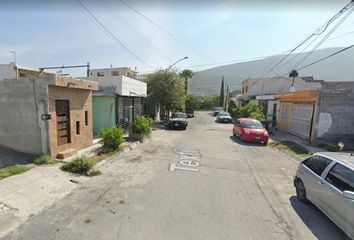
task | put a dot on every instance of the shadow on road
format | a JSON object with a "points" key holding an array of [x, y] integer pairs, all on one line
{"points": [[321, 226], [247, 144]]}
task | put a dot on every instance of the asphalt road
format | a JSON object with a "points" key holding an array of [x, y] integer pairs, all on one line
{"points": [[231, 190]]}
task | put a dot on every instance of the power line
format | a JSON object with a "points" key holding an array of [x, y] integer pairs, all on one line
{"points": [[324, 58], [324, 38], [319, 31], [124, 22], [163, 29], [112, 35], [146, 18]]}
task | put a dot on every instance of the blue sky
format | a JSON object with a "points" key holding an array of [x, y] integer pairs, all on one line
{"points": [[55, 34]]}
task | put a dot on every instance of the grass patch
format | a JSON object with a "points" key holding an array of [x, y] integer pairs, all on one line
{"points": [[44, 159], [80, 165], [291, 147], [13, 170], [93, 173]]}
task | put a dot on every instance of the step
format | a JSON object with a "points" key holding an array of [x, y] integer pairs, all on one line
{"points": [[66, 153]]}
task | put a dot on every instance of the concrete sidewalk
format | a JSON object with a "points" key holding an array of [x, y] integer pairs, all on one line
{"points": [[284, 136], [25, 195]]}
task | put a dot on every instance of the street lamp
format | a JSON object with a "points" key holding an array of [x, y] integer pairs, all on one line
{"points": [[175, 63]]}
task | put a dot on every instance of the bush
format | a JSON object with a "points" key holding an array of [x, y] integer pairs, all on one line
{"points": [[80, 165], [141, 125], [249, 110], [111, 138], [44, 159]]}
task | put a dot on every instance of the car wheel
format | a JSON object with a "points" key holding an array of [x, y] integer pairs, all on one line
{"points": [[233, 133], [301, 191]]}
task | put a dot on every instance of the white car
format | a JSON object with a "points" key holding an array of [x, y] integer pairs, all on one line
{"points": [[327, 180]]}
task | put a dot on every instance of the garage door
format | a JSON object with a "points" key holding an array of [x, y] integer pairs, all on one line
{"points": [[301, 120]]}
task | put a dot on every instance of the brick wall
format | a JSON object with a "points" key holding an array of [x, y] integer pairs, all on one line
{"points": [[80, 101]]}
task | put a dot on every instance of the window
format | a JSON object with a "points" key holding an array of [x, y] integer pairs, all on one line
{"points": [[317, 164], [246, 89], [77, 127], [243, 90], [341, 178], [115, 73], [22, 75], [100, 74], [86, 118]]}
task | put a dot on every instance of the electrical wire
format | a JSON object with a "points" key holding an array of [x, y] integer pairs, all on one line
{"points": [[324, 58], [323, 39], [112, 35], [319, 31], [164, 30]]}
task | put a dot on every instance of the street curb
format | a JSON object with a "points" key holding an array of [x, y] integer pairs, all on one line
{"points": [[124, 150]]}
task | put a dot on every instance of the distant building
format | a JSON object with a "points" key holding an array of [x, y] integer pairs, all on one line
{"points": [[263, 91], [120, 97], [12, 71], [326, 114]]}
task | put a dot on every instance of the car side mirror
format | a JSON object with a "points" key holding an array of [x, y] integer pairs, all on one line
{"points": [[348, 194]]}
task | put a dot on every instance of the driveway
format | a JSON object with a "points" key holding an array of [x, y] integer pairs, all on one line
{"points": [[230, 190]]}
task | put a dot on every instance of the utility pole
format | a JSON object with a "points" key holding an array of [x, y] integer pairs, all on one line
{"points": [[227, 98], [222, 93]]}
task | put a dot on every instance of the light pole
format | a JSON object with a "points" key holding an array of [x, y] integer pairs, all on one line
{"points": [[176, 63]]}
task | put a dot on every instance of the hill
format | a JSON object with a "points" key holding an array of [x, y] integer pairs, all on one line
{"points": [[336, 68]]}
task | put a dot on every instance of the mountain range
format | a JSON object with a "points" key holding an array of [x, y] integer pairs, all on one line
{"points": [[337, 68]]}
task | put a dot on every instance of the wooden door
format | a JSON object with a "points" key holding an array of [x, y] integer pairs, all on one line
{"points": [[62, 108]]}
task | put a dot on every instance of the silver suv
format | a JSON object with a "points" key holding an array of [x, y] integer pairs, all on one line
{"points": [[327, 180]]}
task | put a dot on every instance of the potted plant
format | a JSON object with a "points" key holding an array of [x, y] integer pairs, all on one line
{"points": [[140, 128]]}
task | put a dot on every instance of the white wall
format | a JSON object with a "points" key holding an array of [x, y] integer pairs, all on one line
{"points": [[7, 71], [125, 86], [264, 86]]}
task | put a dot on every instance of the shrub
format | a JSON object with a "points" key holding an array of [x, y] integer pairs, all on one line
{"points": [[44, 159], [249, 110], [93, 173], [80, 165], [111, 138], [141, 125]]}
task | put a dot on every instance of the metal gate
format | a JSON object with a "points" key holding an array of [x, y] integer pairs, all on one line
{"points": [[301, 120]]}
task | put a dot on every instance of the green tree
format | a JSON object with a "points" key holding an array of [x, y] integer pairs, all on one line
{"points": [[186, 74], [193, 102], [210, 102], [167, 89], [251, 110]]}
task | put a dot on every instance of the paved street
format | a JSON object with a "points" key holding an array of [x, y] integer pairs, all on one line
{"points": [[238, 191]]}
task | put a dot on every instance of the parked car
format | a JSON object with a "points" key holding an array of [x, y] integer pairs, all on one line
{"points": [[190, 113], [327, 180], [178, 120], [250, 130], [217, 110], [223, 117]]}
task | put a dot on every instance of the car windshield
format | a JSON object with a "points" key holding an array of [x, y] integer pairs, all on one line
{"points": [[252, 124], [178, 115], [224, 114]]}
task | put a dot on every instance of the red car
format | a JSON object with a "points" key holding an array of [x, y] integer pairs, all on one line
{"points": [[250, 130]]}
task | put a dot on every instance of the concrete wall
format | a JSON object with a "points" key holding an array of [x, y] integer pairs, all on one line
{"points": [[335, 119], [264, 86], [130, 87], [22, 102], [104, 113], [7, 71]]}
